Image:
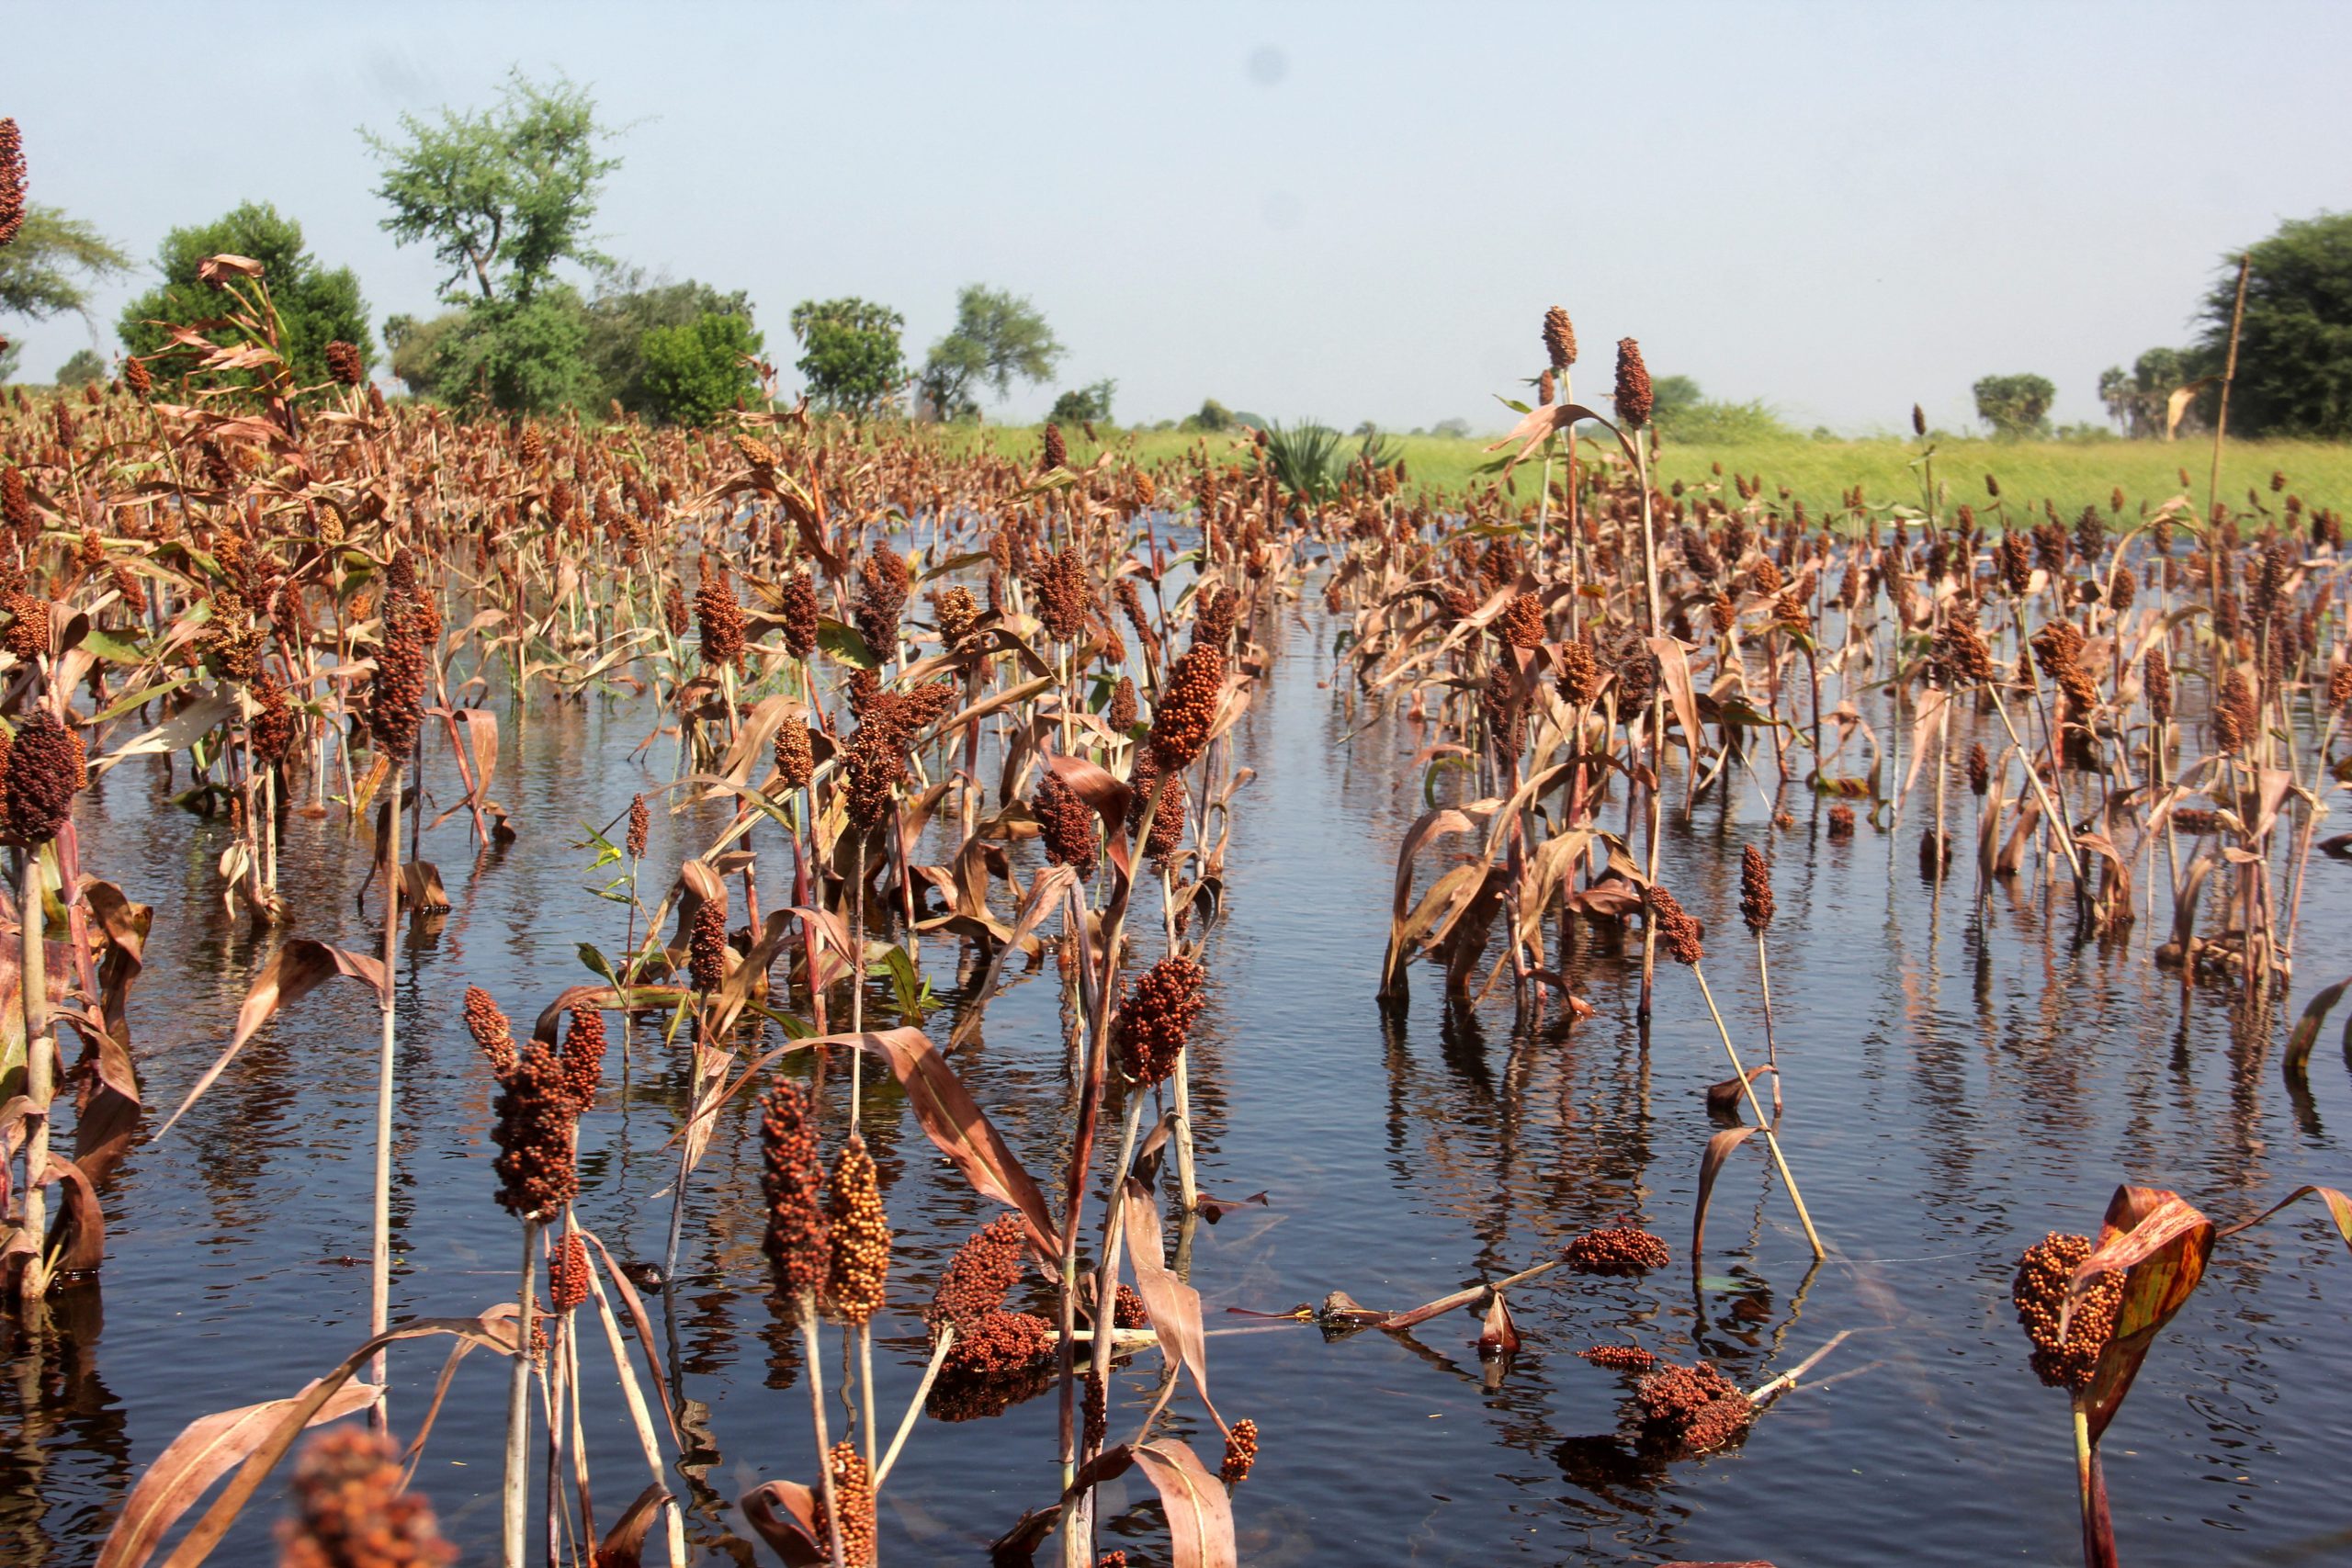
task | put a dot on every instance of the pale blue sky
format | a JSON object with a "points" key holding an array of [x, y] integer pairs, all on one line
{"points": [[1339, 211]]}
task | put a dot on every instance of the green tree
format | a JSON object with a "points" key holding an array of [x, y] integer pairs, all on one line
{"points": [[625, 308], [81, 368], [2015, 406], [851, 358], [1088, 405], [11, 354], [2294, 370], [519, 355], [694, 373], [503, 195], [2139, 400], [47, 269], [415, 347], [316, 305], [1213, 418], [1672, 396], [997, 337]]}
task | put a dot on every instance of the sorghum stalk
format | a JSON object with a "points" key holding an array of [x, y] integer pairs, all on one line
{"points": [[941, 1346], [380, 1277], [41, 1064], [1770, 1137], [513, 1508]]}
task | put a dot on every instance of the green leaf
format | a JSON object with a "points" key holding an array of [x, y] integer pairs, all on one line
{"points": [[598, 964], [144, 695], [843, 641], [1429, 779], [110, 647]]}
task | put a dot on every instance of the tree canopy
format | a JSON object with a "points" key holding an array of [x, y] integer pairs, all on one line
{"points": [[697, 371], [851, 358], [2015, 406], [502, 193], [2139, 400], [997, 337], [316, 305], [1090, 404], [47, 269], [627, 307], [82, 367], [518, 355], [2294, 370]]}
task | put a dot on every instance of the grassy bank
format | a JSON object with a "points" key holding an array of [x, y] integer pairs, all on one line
{"points": [[2070, 474]]}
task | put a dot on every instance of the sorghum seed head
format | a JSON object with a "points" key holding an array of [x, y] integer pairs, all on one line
{"points": [[1187, 707], [1980, 769], [344, 365], [2039, 1294], [796, 753], [1616, 1249], [1559, 338], [1156, 1018], [272, 727], [43, 768], [719, 617], [491, 1030], [854, 1502], [1521, 623], [1121, 714], [583, 1058], [537, 1170], [791, 1181], [1635, 396], [1241, 1452], [706, 946], [1580, 677], [352, 1511], [799, 614], [860, 1236], [1966, 660], [1620, 1358], [983, 1269], [1755, 889], [12, 180], [567, 1276], [1066, 823], [2156, 677], [883, 583], [956, 612], [640, 826], [1678, 931]]}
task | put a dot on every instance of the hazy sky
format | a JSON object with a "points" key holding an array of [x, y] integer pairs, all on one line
{"points": [[1339, 211]]}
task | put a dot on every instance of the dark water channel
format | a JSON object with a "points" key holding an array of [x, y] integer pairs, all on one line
{"points": [[1956, 1086]]}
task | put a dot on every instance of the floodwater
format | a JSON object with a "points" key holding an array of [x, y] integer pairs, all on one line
{"points": [[1956, 1086]]}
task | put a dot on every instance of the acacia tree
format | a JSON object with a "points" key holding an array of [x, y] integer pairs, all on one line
{"points": [[316, 305], [852, 358], [503, 194], [997, 337]]}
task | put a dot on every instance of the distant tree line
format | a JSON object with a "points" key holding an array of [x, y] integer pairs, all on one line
{"points": [[535, 318], [2294, 365]]}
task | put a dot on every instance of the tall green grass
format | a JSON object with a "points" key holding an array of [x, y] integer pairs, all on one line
{"points": [[2070, 475]]}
